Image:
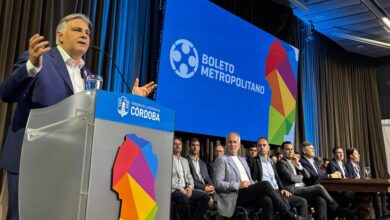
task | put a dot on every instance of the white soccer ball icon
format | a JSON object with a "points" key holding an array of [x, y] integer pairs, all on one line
{"points": [[184, 58]]}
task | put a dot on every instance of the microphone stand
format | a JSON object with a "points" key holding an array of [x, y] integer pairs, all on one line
{"points": [[96, 48]]}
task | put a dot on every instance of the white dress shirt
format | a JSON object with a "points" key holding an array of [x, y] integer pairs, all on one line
{"points": [[241, 169]]}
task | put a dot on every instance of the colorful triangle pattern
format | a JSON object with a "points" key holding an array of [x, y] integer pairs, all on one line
{"points": [[280, 77], [134, 176]]}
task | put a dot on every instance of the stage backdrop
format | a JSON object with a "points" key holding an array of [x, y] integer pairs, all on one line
{"points": [[221, 74]]}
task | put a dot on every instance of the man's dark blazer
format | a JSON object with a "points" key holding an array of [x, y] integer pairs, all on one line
{"points": [[314, 176], [203, 171], [256, 169], [350, 171], [50, 86], [334, 166], [287, 176]]}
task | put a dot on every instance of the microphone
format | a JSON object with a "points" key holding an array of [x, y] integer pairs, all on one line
{"points": [[96, 48]]}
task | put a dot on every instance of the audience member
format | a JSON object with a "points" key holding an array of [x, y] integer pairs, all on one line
{"points": [[183, 194], [198, 169], [263, 169], [291, 173], [337, 164], [324, 164], [274, 159], [235, 186], [352, 165], [251, 151], [219, 150], [279, 155], [308, 162]]}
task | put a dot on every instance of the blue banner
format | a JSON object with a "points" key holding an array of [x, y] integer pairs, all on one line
{"points": [[221, 74]]}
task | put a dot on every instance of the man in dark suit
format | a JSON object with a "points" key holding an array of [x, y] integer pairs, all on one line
{"points": [[43, 77], [292, 173], [262, 169], [235, 186], [198, 169], [337, 164], [308, 162], [352, 166]]}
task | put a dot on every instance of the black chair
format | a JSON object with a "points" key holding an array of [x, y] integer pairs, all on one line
{"points": [[247, 212]]}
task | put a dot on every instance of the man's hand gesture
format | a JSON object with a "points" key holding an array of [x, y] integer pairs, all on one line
{"points": [[36, 48]]}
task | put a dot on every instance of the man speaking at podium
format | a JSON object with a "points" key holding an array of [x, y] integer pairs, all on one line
{"points": [[43, 77]]}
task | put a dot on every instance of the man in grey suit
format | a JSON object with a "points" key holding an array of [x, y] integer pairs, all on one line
{"points": [[183, 185], [292, 173], [235, 186]]}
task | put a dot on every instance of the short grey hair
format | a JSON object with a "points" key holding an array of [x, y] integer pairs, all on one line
{"points": [[62, 25], [234, 133]]}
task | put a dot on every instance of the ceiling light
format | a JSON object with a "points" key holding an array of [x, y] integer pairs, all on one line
{"points": [[378, 12], [386, 21], [362, 40]]}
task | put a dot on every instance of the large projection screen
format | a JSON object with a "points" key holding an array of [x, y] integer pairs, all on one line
{"points": [[221, 74]]}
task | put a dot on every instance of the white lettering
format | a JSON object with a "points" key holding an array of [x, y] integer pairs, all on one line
{"points": [[144, 113], [217, 64]]}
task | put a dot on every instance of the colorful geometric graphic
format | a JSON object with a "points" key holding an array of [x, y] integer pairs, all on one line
{"points": [[133, 178], [283, 84]]}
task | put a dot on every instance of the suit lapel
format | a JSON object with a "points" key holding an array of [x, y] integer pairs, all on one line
{"points": [[260, 168], [311, 166], [340, 168], [184, 169], [61, 67], [288, 165], [193, 168]]}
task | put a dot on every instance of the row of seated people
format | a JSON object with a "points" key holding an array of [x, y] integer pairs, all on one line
{"points": [[251, 182]]}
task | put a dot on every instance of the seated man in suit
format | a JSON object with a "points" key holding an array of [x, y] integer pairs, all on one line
{"points": [[324, 164], [292, 173], [198, 169], [262, 169], [183, 185], [352, 165], [308, 162], [235, 186], [219, 150], [337, 164]]}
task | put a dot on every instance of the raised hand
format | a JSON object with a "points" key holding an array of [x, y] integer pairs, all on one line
{"points": [[144, 90], [37, 47]]}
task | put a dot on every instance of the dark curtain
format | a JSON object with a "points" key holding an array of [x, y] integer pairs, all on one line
{"points": [[383, 80], [341, 100]]}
